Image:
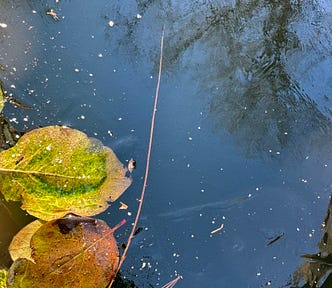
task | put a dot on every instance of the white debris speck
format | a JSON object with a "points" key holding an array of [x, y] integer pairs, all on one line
{"points": [[12, 86], [77, 70], [120, 118], [258, 274], [26, 118], [49, 147], [3, 25], [34, 11], [82, 117], [90, 74], [199, 127], [111, 23], [298, 229], [190, 138], [188, 165], [109, 132], [100, 55], [138, 16], [129, 213]]}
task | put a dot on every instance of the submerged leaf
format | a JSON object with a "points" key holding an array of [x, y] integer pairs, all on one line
{"points": [[58, 170], [20, 245], [68, 252]]}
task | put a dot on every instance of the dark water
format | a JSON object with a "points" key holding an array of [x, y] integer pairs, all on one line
{"points": [[243, 131]]}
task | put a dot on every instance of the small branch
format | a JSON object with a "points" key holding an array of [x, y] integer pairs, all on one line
{"points": [[123, 257]]}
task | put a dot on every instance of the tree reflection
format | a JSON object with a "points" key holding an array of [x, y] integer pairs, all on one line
{"points": [[317, 271], [250, 59]]}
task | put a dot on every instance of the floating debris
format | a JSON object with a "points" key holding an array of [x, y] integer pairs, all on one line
{"points": [[131, 165], [52, 13], [275, 239], [123, 206], [218, 229]]}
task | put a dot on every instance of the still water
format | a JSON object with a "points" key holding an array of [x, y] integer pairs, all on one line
{"points": [[243, 130]]}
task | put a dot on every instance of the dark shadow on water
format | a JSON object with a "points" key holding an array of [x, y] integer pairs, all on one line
{"points": [[317, 270]]}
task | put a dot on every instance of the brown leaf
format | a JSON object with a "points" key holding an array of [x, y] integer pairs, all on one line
{"points": [[20, 245], [68, 252]]}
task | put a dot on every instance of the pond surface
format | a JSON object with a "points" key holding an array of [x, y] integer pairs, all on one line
{"points": [[243, 137]]}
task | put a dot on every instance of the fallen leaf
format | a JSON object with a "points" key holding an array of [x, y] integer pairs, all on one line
{"points": [[20, 245], [70, 252], [58, 170]]}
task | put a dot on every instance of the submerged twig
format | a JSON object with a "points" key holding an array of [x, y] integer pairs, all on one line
{"points": [[123, 257]]}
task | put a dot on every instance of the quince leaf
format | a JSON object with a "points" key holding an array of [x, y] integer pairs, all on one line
{"points": [[70, 252], [20, 245], [58, 170]]}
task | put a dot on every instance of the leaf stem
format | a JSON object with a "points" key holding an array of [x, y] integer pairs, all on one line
{"points": [[123, 257]]}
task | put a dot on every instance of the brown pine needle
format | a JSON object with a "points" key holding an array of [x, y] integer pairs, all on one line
{"points": [[123, 257]]}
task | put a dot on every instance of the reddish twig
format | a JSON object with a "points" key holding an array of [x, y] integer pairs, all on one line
{"points": [[123, 257]]}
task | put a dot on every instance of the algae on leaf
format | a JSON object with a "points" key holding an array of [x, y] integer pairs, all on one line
{"points": [[68, 252], [58, 170], [3, 277]]}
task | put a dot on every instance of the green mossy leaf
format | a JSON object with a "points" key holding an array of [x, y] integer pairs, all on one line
{"points": [[3, 277], [58, 170], [69, 252]]}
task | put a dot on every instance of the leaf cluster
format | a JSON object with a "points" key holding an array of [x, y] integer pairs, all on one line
{"points": [[61, 176]]}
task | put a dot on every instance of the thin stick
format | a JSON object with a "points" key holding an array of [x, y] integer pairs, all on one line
{"points": [[123, 257]]}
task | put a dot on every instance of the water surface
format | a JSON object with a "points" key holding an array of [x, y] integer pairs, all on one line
{"points": [[243, 130]]}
